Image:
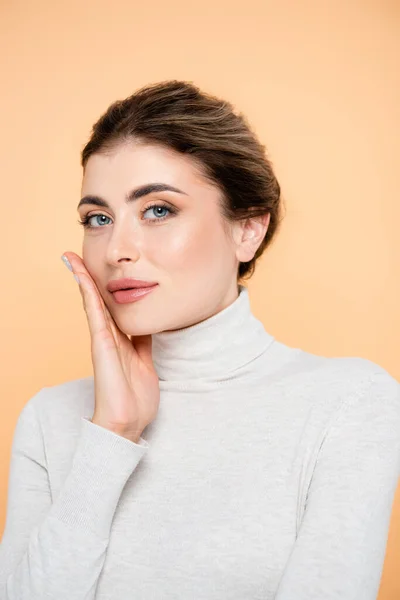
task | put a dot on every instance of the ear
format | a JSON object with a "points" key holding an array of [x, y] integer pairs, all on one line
{"points": [[248, 235]]}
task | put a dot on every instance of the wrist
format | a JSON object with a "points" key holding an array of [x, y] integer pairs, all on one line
{"points": [[132, 434]]}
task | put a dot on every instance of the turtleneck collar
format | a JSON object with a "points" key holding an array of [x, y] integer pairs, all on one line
{"points": [[213, 348]]}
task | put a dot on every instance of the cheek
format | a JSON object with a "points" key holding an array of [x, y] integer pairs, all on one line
{"points": [[178, 249], [92, 261], [190, 249]]}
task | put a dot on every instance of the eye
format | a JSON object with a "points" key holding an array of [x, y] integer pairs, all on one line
{"points": [[157, 206], [85, 222]]}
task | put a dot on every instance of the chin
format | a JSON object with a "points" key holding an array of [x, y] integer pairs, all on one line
{"points": [[125, 325]]}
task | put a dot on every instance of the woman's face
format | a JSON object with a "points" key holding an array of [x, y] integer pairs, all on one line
{"points": [[182, 246]]}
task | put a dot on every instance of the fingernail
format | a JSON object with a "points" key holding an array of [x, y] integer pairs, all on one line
{"points": [[76, 278], [66, 262]]}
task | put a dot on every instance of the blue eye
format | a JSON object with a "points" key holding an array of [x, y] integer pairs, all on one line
{"points": [[85, 222], [161, 206]]}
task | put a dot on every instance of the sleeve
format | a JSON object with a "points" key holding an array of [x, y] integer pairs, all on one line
{"points": [[340, 549], [57, 550]]}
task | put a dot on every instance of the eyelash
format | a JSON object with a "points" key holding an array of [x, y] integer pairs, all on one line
{"points": [[85, 220]]}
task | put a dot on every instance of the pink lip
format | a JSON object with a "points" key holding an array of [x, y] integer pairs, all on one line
{"points": [[127, 282], [125, 296]]}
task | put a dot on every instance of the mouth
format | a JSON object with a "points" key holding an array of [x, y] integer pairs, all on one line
{"points": [[136, 287], [126, 295], [128, 283]]}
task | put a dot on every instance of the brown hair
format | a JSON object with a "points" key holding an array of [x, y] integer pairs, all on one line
{"points": [[178, 115]]}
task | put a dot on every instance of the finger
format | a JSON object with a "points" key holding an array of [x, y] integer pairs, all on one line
{"points": [[92, 305], [116, 332], [107, 322], [92, 301]]}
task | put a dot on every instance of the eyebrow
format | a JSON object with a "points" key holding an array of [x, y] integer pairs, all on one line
{"points": [[135, 194]]}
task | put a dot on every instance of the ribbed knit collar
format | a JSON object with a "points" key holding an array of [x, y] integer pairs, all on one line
{"points": [[214, 348]]}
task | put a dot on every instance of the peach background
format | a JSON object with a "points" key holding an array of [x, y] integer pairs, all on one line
{"points": [[319, 81]]}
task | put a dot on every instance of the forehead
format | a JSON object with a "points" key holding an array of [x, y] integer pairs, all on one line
{"points": [[132, 164]]}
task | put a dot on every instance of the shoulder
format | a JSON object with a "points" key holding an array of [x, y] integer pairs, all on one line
{"points": [[346, 372], [327, 385], [364, 427], [69, 398], [355, 390], [360, 376]]}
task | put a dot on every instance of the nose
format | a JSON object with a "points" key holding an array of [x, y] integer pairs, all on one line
{"points": [[124, 243]]}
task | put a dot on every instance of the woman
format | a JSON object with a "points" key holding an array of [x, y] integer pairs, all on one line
{"points": [[204, 459]]}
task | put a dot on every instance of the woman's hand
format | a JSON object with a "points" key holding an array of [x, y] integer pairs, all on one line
{"points": [[127, 392]]}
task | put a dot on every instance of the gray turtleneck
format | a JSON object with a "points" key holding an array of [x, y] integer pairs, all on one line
{"points": [[268, 473]]}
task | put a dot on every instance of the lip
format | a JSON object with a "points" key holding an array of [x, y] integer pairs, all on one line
{"points": [[123, 284], [125, 296]]}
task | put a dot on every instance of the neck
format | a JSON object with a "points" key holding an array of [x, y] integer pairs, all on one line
{"points": [[213, 348]]}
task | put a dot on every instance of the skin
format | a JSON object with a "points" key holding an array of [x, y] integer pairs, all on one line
{"points": [[190, 254]]}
